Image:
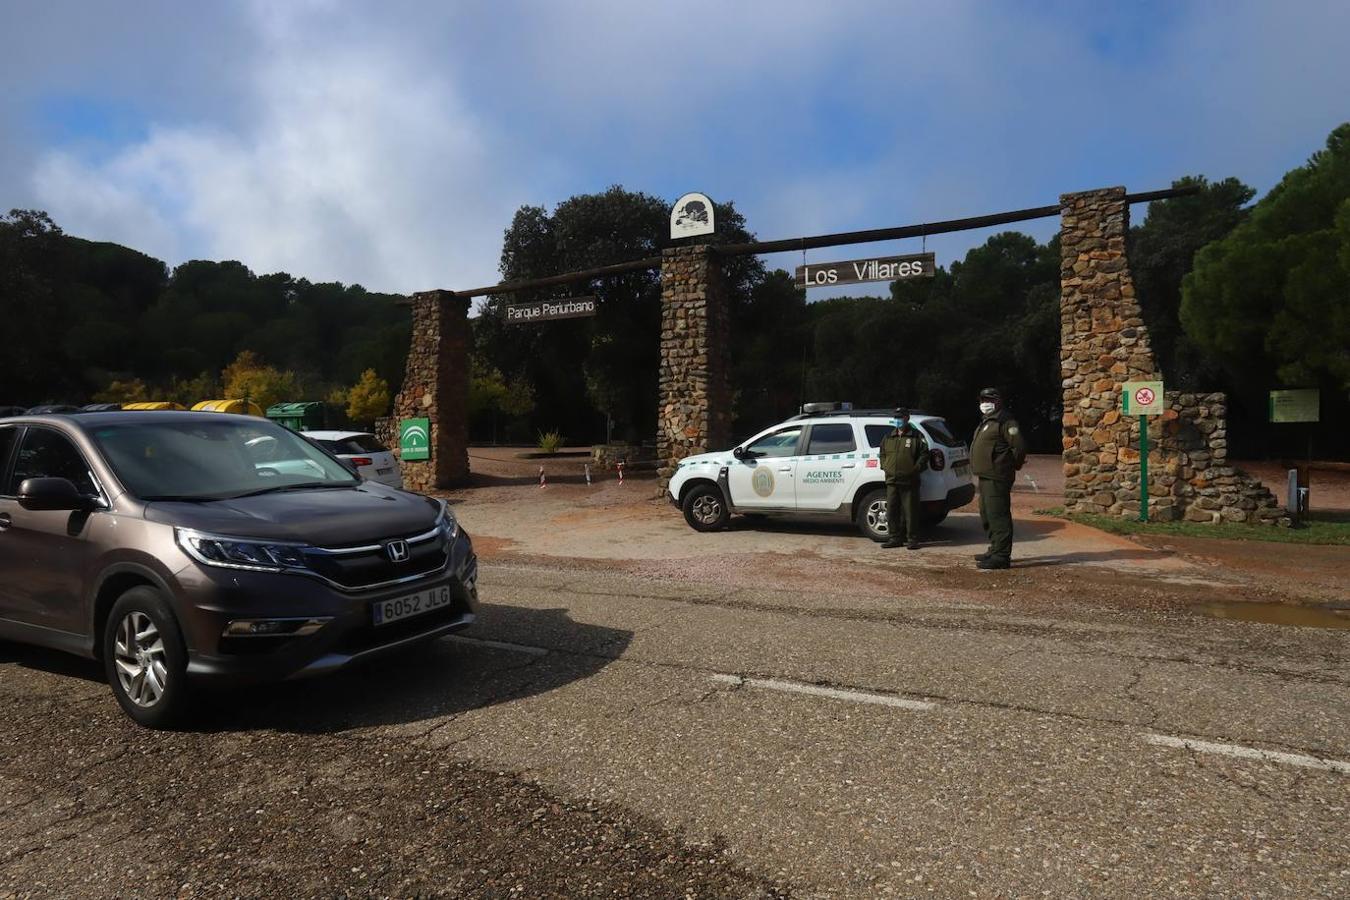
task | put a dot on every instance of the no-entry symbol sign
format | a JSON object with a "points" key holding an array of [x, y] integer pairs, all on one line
{"points": [[1142, 398]]}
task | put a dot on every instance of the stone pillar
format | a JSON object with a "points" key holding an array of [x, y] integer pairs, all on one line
{"points": [[436, 386], [1104, 343], [695, 383]]}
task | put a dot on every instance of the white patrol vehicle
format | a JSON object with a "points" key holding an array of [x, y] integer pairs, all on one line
{"points": [[824, 463]]}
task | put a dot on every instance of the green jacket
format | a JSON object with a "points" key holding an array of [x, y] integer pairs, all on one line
{"points": [[997, 450], [904, 455]]}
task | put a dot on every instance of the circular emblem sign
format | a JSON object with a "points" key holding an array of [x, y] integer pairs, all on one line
{"points": [[762, 481], [1143, 396]]}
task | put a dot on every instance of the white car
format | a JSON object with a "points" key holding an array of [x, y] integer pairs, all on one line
{"points": [[824, 463], [373, 461]]}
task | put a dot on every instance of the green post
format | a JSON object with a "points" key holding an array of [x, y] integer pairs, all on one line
{"points": [[1143, 468]]}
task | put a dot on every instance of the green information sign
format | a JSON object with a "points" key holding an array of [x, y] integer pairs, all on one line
{"points": [[1295, 406], [414, 439]]}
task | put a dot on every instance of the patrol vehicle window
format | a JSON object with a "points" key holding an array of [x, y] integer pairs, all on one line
{"points": [[780, 443], [831, 439], [938, 430], [7, 438], [46, 454], [876, 432]]}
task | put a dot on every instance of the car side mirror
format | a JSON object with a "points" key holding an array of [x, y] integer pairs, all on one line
{"points": [[51, 494], [739, 453]]}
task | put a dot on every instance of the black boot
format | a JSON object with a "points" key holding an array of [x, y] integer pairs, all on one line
{"points": [[913, 544], [993, 562], [892, 544]]}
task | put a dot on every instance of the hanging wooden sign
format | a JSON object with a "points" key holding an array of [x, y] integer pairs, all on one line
{"points": [[549, 310], [876, 268]]}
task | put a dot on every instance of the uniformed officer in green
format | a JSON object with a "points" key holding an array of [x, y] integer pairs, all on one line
{"points": [[904, 456], [997, 451]]}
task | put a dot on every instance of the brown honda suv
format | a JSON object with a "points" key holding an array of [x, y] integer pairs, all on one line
{"points": [[181, 548]]}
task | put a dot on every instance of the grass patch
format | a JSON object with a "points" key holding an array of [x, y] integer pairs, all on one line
{"points": [[1322, 528]]}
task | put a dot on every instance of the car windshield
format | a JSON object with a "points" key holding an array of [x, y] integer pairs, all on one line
{"points": [[201, 459]]}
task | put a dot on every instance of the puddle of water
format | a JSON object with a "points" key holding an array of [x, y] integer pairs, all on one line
{"points": [[1280, 614]]}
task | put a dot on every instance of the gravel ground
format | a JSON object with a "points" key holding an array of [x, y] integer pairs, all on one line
{"points": [[93, 806], [779, 709]]}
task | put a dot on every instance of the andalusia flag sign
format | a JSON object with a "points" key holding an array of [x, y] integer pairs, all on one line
{"points": [[414, 439]]}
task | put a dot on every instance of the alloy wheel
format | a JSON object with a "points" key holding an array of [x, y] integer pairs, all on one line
{"points": [[140, 660], [707, 510], [876, 516]]}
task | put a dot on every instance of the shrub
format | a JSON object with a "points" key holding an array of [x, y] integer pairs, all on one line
{"points": [[550, 441]]}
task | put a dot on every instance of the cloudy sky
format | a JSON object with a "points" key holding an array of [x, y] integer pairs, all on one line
{"points": [[389, 143]]}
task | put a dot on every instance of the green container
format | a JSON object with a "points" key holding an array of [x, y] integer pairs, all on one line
{"points": [[299, 416]]}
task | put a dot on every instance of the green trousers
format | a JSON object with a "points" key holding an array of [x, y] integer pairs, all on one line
{"points": [[902, 511], [996, 517]]}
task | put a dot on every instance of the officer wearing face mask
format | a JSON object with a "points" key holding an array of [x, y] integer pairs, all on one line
{"points": [[904, 456], [997, 451]]}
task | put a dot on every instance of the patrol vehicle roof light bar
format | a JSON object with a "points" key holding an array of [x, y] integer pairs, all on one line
{"points": [[756, 248]]}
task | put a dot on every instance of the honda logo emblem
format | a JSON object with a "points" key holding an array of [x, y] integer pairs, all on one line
{"points": [[397, 550]]}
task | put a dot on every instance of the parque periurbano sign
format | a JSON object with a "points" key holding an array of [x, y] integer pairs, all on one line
{"points": [[875, 268], [548, 310]]}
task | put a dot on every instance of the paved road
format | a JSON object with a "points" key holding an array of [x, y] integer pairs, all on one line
{"points": [[673, 732]]}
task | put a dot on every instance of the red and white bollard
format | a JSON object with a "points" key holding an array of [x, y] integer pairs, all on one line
{"points": [[621, 473], [543, 482]]}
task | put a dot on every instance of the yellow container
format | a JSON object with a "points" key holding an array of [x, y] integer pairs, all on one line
{"points": [[159, 404], [238, 407]]}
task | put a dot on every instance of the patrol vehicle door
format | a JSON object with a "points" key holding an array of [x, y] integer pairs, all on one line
{"points": [[829, 467], [762, 477]]}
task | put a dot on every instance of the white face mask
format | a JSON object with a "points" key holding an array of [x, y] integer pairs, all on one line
{"points": [[986, 407]]}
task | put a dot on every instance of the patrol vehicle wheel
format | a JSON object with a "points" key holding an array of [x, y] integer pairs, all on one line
{"points": [[705, 510], [872, 516]]}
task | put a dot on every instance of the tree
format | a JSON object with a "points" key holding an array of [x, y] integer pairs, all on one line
{"points": [[1162, 251], [368, 399], [130, 391], [1269, 301], [248, 377], [491, 395], [582, 369]]}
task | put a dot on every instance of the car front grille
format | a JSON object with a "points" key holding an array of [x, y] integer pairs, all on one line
{"points": [[371, 565]]}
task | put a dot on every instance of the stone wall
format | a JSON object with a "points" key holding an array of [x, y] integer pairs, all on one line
{"points": [[694, 414], [1104, 343], [436, 386]]}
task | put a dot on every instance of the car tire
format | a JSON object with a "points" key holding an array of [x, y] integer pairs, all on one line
{"points": [[705, 509], [871, 515], [145, 658]]}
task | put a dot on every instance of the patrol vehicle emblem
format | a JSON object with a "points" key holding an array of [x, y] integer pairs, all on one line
{"points": [[762, 481]]}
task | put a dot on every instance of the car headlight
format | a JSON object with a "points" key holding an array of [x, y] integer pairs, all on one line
{"points": [[230, 552], [447, 522]]}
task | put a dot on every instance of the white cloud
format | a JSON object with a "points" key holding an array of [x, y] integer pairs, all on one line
{"points": [[390, 145], [356, 166]]}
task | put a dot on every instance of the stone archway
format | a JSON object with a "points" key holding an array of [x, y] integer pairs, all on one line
{"points": [[1104, 342]]}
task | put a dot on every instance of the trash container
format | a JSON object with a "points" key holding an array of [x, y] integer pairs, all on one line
{"points": [[238, 407], [299, 416], [157, 404]]}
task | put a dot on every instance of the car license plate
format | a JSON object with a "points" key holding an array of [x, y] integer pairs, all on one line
{"points": [[396, 608], [388, 471]]}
